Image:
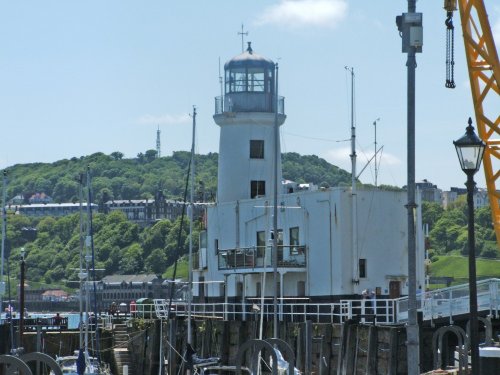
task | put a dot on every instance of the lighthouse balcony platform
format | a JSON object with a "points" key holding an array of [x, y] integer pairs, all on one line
{"points": [[248, 102], [259, 257]]}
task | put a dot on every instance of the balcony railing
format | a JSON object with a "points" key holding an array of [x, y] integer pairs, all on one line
{"points": [[248, 102], [258, 257], [382, 312]]}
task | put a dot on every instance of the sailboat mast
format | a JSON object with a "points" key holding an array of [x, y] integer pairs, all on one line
{"points": [[90, 239], [81, 275], [275, 209], [4, 225], [354, 240], [375, 153], [191, 209]]}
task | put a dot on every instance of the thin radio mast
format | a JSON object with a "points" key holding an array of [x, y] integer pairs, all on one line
{"points": [[375, 154], [242, 33], [191, 214], [158, 143], [354, 240], [4, 226], [221, 90]]}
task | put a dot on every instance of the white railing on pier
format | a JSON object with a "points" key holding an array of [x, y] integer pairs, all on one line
{"points": [[450, 302], [443, 303], [379, 311]]}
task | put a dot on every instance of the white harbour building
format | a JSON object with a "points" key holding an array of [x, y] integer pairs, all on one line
{"points": [[319, 257]]}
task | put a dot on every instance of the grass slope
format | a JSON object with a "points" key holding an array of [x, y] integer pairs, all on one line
{"points": [[458, 267], [182, 269]]}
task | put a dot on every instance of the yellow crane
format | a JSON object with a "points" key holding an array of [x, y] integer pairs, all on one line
{"points": [[484, 75]]}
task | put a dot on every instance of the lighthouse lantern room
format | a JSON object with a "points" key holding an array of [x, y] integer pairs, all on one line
{"points": [[247, 114]]}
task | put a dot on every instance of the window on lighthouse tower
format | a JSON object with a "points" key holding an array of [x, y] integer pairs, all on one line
{"points": [[256, 149], [257, 188]]}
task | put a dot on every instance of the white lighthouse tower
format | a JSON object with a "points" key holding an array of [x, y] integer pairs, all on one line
{"points": [[247, 114]]}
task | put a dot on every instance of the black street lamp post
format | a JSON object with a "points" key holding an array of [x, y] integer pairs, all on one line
{"points": [[470, 149], [21, 298]]}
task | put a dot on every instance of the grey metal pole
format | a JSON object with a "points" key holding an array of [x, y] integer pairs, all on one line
{"points": [[275, 209], [474, 339], [4, 225], [21, 299], [354, 198], [409, 24], [412, 328], [190, 262], [82, 276]]}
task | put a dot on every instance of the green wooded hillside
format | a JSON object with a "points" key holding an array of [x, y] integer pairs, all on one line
{"points": [[120, 246], [124, 247], [114, 177]]}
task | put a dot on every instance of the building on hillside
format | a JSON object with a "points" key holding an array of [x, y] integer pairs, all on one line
{"points": [[40, 198], [481, 198], [55, 295], [326, 250], [45, 295], [428, 191], [49, 209], [148, 211], [17, 200], [127, 288]]}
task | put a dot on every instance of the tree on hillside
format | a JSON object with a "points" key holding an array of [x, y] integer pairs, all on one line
{"points": [[431, 212], [65, 190], [150, 155], [117, 155], [131, 262], [156, 262]]}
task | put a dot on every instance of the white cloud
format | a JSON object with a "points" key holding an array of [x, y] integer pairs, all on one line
{"points": [[389, 160], [298, 13], [339, 157], [164, 119]]}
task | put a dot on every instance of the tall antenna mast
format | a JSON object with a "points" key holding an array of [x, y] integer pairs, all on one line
{"points": [[221, 90], [242, 33], [354, 242], [191, 209], [158, 143], [277, 181], [4, 225], [375, 154]]}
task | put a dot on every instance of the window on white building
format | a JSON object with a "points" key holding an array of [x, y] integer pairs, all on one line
{"points": [[362, 268], [294, 240], [261, 244]]}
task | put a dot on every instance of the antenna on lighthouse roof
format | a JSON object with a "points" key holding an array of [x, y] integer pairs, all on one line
{"points": [[242, 33]]}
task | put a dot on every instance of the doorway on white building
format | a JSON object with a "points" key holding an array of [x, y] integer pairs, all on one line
{"points": [[394, 289]]}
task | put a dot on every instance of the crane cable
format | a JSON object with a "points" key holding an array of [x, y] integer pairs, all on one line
{"points": [[450, 51]]}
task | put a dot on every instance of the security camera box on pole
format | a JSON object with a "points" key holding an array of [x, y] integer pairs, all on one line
{"points": [[410, 26]]}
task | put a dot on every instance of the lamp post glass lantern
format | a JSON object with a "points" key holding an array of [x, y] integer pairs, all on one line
{"points": [[470, 150]]}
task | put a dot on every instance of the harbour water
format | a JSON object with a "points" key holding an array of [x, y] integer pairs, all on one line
{"points": [[73, 318]]}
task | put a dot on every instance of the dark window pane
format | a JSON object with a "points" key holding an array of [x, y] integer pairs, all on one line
{"points": [[256, 149], [362, 268], [257, 188]]}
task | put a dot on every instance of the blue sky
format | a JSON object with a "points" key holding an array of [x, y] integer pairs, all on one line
{"points": [[78, 77]]}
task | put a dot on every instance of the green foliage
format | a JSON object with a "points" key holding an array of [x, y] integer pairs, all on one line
{"points": [[458, 267], [449, 231], [181, 272], [114, 177], [53, 254], [310, 168], [431, 212]]}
